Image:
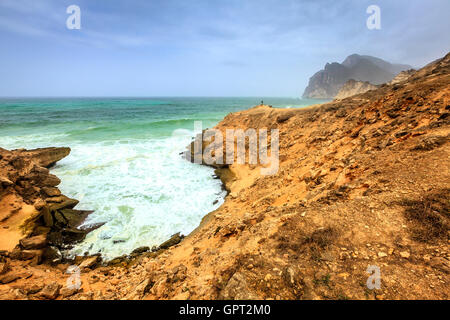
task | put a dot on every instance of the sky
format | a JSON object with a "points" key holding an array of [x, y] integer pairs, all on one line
{"points": [[221, 48]]}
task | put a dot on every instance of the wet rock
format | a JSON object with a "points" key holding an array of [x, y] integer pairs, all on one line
{"points": [[65, 236], [74, 217], [118, 260], [140, 250], [175, 239]]}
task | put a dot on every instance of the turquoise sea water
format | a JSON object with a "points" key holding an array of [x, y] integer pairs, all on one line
{"points": [[125, 161]]}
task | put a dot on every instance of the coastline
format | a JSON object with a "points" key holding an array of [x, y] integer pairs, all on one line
{"points": [[354, 175]]}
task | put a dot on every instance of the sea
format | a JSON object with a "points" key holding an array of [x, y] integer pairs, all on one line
{"points": [[125, 161]]}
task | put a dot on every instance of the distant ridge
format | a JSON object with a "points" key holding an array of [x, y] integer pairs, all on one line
{"points": [[326, 83]]}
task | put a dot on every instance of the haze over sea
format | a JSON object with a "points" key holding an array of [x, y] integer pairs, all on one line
{"points": [[125, 161]]}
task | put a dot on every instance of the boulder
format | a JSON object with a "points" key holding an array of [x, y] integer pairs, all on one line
{"points": [[89, 262], [50, 291], [18, 254], [175, 239], [237, 289], [13, 276], [68, 292], [36, 242], [51, 191], [140, 250]]}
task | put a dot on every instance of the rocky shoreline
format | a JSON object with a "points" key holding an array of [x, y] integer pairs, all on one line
{"points": [[362, 181], [39, 221]]}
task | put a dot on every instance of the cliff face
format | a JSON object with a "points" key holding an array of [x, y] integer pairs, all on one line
{"points": [[402, 76], [353, 87], [326, 83], [35, 218]]}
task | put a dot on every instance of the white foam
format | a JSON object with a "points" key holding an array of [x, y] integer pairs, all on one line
{"points": [[142, 189]]}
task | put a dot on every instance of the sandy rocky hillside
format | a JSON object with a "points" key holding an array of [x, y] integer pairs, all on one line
{"points": [[362, 181]]}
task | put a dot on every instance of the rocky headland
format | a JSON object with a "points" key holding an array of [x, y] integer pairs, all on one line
{"points": [[362, 181], [326, 83]]}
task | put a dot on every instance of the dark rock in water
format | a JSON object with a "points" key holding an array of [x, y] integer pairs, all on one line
{"points": [[75, 218], [140, 250], [118, 260], [66, 236], [215, 201], [118, 241], [92, 227], [175, 239]]}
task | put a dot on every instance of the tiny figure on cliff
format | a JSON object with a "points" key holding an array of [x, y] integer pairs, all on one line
{"points": [[262, 102]]}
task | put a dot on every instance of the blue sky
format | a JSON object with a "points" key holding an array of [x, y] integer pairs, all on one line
{"points": [[203, 48]]}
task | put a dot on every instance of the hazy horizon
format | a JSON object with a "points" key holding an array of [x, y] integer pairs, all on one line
{"points": [[154, 49]]}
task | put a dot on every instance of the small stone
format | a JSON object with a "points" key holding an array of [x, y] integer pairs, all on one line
{"points": [[405, 254], [268, 277], [382, 254], [67, 292], [51, 291]]}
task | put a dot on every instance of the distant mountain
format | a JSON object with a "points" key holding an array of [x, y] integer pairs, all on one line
{"points": [[326, 83]]}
